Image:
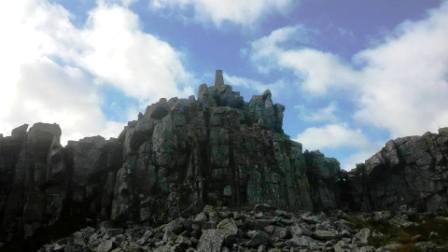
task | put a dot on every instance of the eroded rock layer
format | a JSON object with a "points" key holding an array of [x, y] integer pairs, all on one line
{"points": [[178, 156]]}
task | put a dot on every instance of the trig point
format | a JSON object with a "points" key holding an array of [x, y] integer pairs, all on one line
{"points": [[219, 79]]}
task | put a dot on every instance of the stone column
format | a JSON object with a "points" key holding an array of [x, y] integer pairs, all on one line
{"points": [[219, 79]]}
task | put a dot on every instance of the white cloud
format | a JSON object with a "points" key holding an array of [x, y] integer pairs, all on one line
{"points": [[118, 52], [33, 87], [125, 3], [51, 93], [317, 70], [337, 136], [359, 157], [51, 69], [245, 12], [400, 84], [332, 136], [324, 114], [405, 80], [252, 84]]}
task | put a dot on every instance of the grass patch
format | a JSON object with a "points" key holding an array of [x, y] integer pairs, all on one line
{"points": [[407, 236]]}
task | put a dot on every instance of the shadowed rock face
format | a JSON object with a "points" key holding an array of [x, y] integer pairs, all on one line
{"points": [[409, 171], [178, 156], [46, 189]]}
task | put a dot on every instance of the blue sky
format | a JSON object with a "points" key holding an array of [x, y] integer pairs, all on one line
{"points": [[351, 73]]}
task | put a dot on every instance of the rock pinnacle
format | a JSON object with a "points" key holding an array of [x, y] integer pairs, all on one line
{"points": [[219, 79]]}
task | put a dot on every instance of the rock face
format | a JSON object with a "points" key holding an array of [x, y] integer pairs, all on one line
{"points": [[45, 186], [178, 156], [183, 153], [36, 185], [409, 171]]}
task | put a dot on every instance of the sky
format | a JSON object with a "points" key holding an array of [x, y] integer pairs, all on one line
{"points": [[352, 74]]}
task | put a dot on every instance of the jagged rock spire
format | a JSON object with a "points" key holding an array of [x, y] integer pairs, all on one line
{"points": [[219, 79]]}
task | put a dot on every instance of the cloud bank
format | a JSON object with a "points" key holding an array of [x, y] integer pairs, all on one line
{"points": [[332, 136], [400, 83]]}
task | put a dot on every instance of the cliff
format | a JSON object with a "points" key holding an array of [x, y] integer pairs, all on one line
{"points": [[178, 156], [410, 171], [182, 156]]}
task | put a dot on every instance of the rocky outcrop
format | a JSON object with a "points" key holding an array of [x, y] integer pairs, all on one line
{"points": [[176, 157], [46, 189], [94, 162], [409, 171], [37, 185], [183, 153]]}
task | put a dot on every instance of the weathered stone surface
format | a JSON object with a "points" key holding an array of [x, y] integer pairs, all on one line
{"points": [[49, 185], [105, 246], [211, 240], [95, 162], [216, 150], [39, 182], [410, 171], [262, 111]]}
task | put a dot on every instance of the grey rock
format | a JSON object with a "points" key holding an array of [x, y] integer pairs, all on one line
{"points": [[365, 249], [325, 235], [219, 79], [427, 246], [299, 229], [363, 236], [201, 217], [407, 171], [443, 131], [258, 238], [303, 241], [211, 240], [281, 233], [228, 226], [382, 215], [105, 246], [392, 246], [342, 246], [176, 226]]}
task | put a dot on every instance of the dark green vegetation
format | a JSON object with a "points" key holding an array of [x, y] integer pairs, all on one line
{"points": [[414, 232]]}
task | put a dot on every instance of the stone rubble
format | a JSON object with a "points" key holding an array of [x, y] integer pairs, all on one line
{"points": [[259, 229]]}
